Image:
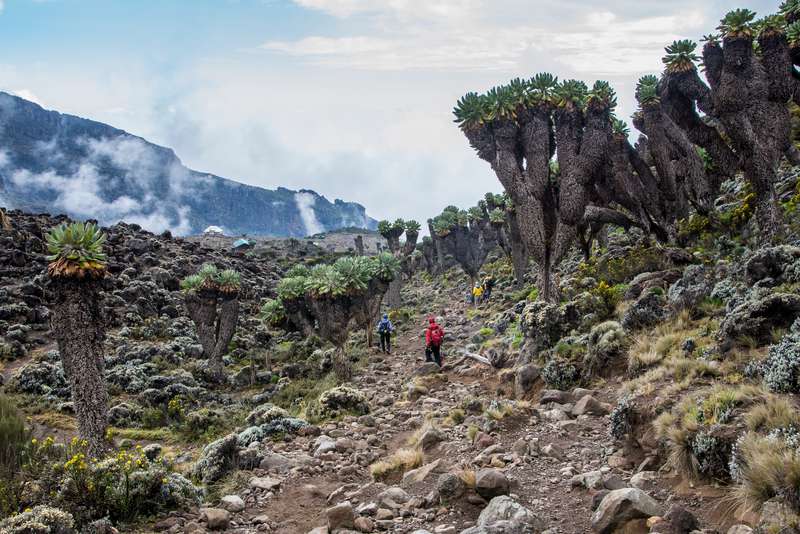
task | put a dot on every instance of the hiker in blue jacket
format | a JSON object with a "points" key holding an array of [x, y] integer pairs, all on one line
{"points": [[385, 330]]}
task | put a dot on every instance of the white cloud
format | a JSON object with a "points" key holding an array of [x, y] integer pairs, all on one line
{"points": [[305, 203], [2, 5]]}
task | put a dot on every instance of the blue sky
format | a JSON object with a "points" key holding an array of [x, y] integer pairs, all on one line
{"points": [[351, 98]]}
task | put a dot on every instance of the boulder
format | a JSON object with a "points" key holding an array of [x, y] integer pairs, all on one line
{"points": [[757, 317], [215, 518], [588, 405], [646, 311], [694, 285], [780, 263], [232, 503], [491, 483], [525, 377], [622, 506], [450, 487], [340, 516], [504, 515]]}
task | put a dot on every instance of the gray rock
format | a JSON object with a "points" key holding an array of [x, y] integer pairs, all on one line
{"points": [[621, 506], [588, 405], [694, 286], [232, 503], [757, 317], [340, 516], [525, 378], [504, 515], [450, 487], [491, 483], [215, 518]]}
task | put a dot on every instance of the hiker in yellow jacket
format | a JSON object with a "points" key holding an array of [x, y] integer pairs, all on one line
{"points": [[477, 293]]}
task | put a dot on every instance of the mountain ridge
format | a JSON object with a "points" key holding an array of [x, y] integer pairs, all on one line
{"points": [[61, 163]]}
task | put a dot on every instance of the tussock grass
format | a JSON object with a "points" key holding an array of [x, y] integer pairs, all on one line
{"points": [[774, 412], [455, 417], [399, 462], [499, 412], [472, 431], [765, 468], [468, 477], [650, 348]]}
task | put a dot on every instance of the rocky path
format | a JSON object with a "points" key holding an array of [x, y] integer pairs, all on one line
{"points": [[553, 456]]}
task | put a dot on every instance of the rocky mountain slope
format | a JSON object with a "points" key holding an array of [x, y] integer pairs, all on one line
{"points": [[620, 408], [58, 163]]}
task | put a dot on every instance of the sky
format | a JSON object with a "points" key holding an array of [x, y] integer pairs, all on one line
{"points": [[350, 98]]}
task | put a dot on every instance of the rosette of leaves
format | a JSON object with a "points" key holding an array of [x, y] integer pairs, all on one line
{"points": [[412, 226], [619, 127], [571, 93], [602, 95], [76, 251], [647, 91], [273, 312], [298, 270], [470, 111], [228, 282], [793, 33], [292, 288], [497, 217], [681, 56], [384, 267], [738, 23]]}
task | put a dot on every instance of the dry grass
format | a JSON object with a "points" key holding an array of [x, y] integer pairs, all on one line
{"points": [[415, 439], [455, 417], [56, 420], [501, 411], [472, 431], [774, 412], [467, 476], [766, 468], [399, 462], [650, 348]]}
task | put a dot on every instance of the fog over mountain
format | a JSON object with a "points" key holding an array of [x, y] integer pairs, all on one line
{"points": [[58, 163]]}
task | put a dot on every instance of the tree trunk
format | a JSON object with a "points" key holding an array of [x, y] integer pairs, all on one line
{"points": [[201, 307], [393, 299], [341, 365], [78, 327], [225, 329], [359, 242]]}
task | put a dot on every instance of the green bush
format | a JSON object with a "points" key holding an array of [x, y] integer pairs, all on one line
{"points": [[14, 445]]}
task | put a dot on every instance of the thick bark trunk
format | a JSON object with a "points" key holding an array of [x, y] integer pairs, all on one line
{"points": [[215, 316], [393, 297], [359, 242], [341, 365], [226, 328], [77, 324], [201, 307]]}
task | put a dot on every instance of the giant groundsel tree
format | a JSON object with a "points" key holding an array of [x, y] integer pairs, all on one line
{"points": [[77, 269], [327, 299], [555, 149]]}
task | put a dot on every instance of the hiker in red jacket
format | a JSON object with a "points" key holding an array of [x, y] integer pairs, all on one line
{"points": [[434, 335]]}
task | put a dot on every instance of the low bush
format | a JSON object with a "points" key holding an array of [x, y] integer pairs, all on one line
{"points": [[560, 374]]}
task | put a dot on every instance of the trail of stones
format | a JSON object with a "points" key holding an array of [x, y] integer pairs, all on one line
{"points": [[323, 479]]}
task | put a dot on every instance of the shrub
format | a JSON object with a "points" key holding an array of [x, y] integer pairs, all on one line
{"points": [[344, 400], [14, 437], [399, 462], [607, 340], [782, 367], [39, 520], [621, 418], [560, 374]]}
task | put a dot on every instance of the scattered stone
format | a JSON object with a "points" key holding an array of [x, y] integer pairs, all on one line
{"points": [[621, 506], [340, 516], [232, 503], [215, 518], [490, 483], [504, 515]]}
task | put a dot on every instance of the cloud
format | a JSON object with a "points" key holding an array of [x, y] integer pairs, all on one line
{"points": [[2, 5], [136, 169], [305, 203]]}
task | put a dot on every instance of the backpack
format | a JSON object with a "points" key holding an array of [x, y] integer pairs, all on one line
{"points": [[384, 326], [437, 334]]}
